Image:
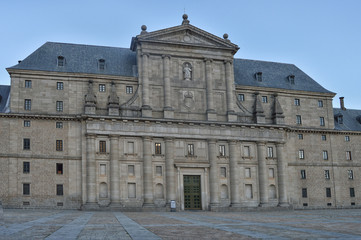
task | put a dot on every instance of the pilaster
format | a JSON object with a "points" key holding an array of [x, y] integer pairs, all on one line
{"points": [[91, 202], [170, 170], [232, 117], [282, 176], [114, 171], [146, 109], [262, 174], [147, 173], [211, 113], [168, 110], [234, 173], [213, 174]]}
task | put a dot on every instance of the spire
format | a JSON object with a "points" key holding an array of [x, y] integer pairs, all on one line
{"points": [[90, 99], [113, 101], [278, 116], [258, 110]]}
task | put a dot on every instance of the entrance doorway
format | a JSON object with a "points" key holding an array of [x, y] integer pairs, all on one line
{"points": [[192, 192]]}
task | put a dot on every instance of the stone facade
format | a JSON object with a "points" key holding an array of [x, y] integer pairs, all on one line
{"points": [[127, 133]]}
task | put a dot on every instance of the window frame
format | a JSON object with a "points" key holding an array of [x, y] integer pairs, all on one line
{"points": [[297, 102], [352, 192], [26, 167], [298, 120], [325, 155], [301, 154], [59, 146], [59, 85], [59, 106], [348, 156], [59, 168], [26, 189], [129, 89], [270, 152], [322, 121], [327, 174], [27, 104], [61, 61], [26, 144], [102, 87], [347, 138], [222, 150], [320, 103], [240, 97], [28, 84], [27, 123], [158, 148], [102, 146], [323, 137], [59, 189], [190, 149], [304, 192], [303, 174], [300, 136], [264, 99], [350, 174], [328, 192], [59, 125]]}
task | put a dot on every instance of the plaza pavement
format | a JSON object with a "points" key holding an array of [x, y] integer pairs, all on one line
{"points": [[72, 224]]}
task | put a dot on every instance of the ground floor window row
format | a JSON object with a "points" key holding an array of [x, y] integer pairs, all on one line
{"points": [[59, 189], [328, 192]]}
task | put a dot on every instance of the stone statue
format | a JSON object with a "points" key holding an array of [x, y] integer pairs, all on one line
{"points": [[187, 72]]}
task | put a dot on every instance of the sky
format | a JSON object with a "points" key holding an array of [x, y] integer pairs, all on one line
{"points": [[321, 37]]}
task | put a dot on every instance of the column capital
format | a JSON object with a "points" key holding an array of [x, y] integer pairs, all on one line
{"points": [[233, 142], [261, 143], [147, 138], [166, 56], [113, 137], [144, 54], [280, 144], [227, 61], [168, 139], [90, 135], [212, 140], [208, 60]]}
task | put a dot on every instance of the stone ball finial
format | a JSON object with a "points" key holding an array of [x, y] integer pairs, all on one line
{"points": [[144, 28], [185, 16], [185, 19], [225, 36]]}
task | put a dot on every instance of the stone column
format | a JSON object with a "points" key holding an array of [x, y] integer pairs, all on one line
{"points": [[168, 110], [282, 174], [213, 173], [91, 172], [170, 170], [234, 173], [114, 170], [211, 113], [146, 109], [229, 84], [262, 174], [147, 173]]}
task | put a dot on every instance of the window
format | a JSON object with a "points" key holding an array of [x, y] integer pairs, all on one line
{"points": [[297, 102], [300, 136], [27, 104], [59, 106], [26, 167], [59, 189], [327, 174], [190, 149], [129, 89], [259, 76], [26, 144], [222, 150], [304, 192], [348, 155], [328, 192], [26, 188], [340, 119], [131, 170], [248, 173], [103, 169], [223, 172], [264, 99], [270, 152], [102, 146], [271, 173], [350, 174], [101, 87], [301, 154], [59, 168], [61, 61], [27, 83], [347, 138], [158, 148], [322, 121], [323, 137], [247, 152], [130, 147], [298, 119], [291, 79], [352, 192], [248, 191], [303, 174], [131, 190], [59, 86], [101, 64], [59, 124], [59, 145], [158, 171], [241, 97], [26, 123], [324, 155], [320, 103]]}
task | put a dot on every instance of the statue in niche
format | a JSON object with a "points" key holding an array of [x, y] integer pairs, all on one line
{"points": [[187, 71]]}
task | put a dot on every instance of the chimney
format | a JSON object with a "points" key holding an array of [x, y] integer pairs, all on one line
{"points": [[342, 104]]}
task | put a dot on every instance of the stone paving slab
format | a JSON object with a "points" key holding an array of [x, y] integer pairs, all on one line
{"points": [[72, 224]]}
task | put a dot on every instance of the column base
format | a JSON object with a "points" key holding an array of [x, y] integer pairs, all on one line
{"points": [[214, 207], [148, 205], [90, 206], [265, 205], [283, 204], [211, 116], [115, 205], [168, 113], [232, 117], [235, 205], [146, 111]]}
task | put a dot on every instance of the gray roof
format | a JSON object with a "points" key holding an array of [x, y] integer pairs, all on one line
{"points": [[350, 119], [274, 75], [81, 59], [4, 95]]}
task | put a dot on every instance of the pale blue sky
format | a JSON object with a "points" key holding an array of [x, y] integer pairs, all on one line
{"points": [[321, 37]]}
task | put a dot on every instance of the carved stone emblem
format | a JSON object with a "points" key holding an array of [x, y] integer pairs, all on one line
{"points": [[188, 99]]}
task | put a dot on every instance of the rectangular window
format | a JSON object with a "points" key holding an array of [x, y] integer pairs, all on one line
{"points": [[271, 173], [350, 174], [27, 104], [26, 123], [298, 119], [247, 152], [300, 136], [297, 102], [222, 150], [190, 149], [59, 86], [327, 174], [59, 124], [26, 188], [323, 137], [26, 167], [303, 174], [352, 192], [26, 144], [131, 147], [223, 172], [348, 155], [129, 89], [301, 154], [158, 148], [131, 190], [131, 170], [328, 192], [101, 87], [270, 152], [264, 99], [322, 121], [27, 83], [248, 173], [320, 103], [158, 171], [248, 191], [103, 170], [59, 106], [59, 168], [102, 146], [59, 145], [59, 190], [324, 155], [241, 97], [304, 192], [347, 138]]}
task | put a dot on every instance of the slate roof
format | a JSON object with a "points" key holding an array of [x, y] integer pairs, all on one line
{"points": [[4, 93], [350, 119], [81, 59], [274, 75]]}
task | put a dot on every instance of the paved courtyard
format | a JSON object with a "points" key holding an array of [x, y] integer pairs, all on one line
{"points": [[69, 224]]}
